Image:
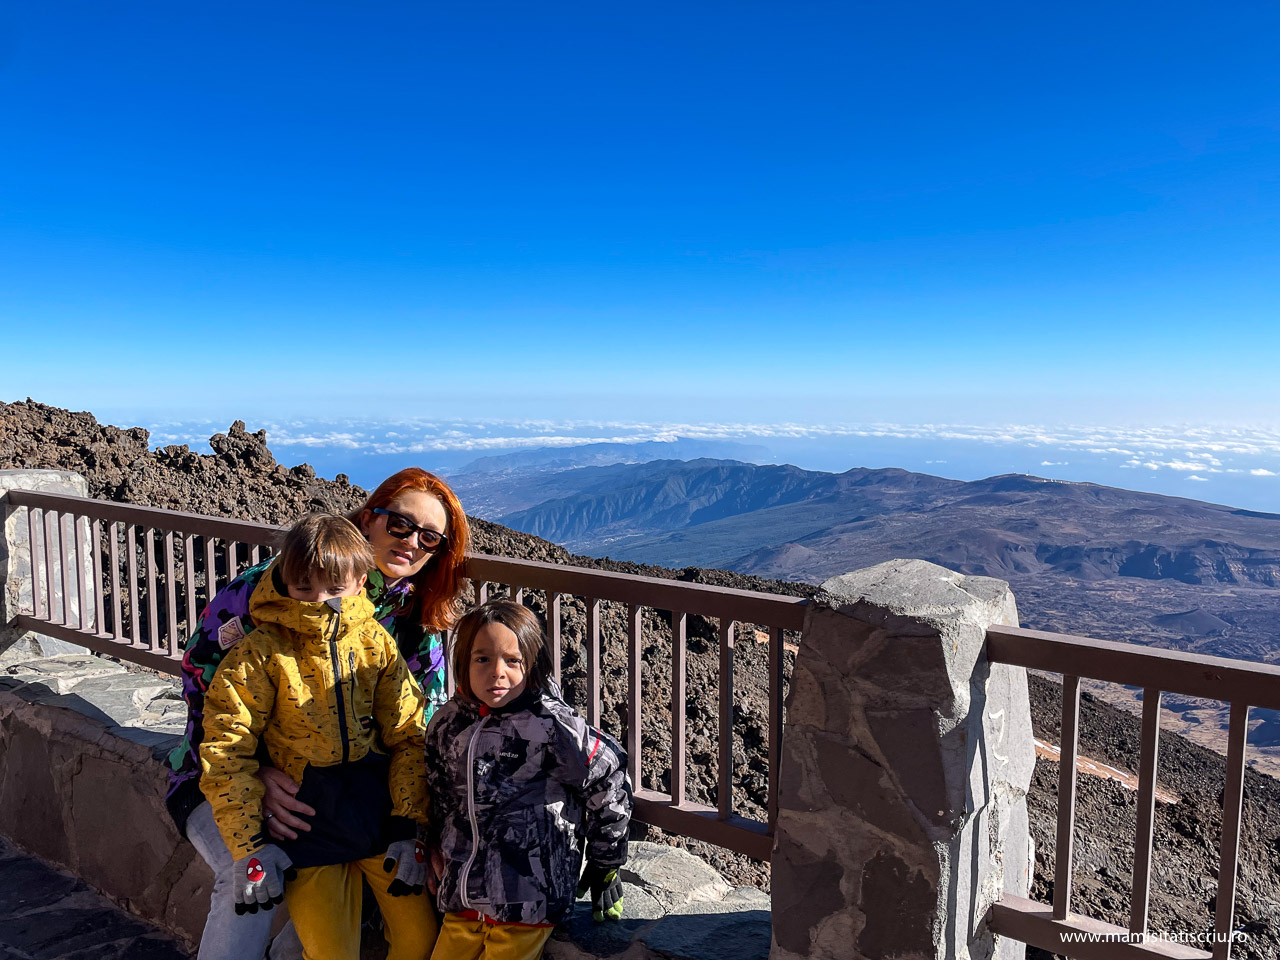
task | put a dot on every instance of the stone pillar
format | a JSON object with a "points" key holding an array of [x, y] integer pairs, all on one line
{"points": [[15, 564], [906, 762]]}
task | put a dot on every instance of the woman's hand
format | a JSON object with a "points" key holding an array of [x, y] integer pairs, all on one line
{"points": [[281, 805], [435, 869]]}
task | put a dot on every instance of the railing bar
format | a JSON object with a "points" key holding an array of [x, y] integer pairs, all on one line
{"points": [[255, 554], [232, 549], [135, 619], [724, 799], [153, 616], [189, 584], [77, 551], [553, 632], [59, 544], [170, 594], [775, 721], [117, 598], [47, 519], [1068, 748], [482, 591], [635, 627], [593, 661], [517, 594], [210, 572], [745, 606], [1143, 839], [1229, 849], [1194, 675], [678, 627], [95, 536], [247, 531], [37, 601]]}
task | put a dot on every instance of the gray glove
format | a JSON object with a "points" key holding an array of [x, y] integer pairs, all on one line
{"points": [[259, 879], [409, 860]]}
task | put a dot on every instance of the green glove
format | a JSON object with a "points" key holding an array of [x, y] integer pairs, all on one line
{"points": [[606, 891]]}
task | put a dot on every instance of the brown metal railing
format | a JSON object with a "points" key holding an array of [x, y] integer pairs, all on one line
{"points": [[1241, 684], [140, 575]]}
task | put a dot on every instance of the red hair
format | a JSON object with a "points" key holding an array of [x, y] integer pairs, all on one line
{"points": [[439, 583]]}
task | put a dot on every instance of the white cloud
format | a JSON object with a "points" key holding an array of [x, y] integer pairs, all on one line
{"points": [[1198, 450], [1201, 479]]}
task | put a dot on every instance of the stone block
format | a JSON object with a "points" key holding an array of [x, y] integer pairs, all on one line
{"points": [[672, 876], [36, 646], [903, 783], [15, 550]]}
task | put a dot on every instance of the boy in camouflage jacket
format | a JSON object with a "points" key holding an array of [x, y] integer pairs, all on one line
{"points": [[519, 785]]}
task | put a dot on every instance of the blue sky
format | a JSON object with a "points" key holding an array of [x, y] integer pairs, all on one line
{"points": [[769, 212]]}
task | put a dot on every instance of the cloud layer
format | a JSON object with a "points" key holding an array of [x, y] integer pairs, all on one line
{"points": [[1197, 451]]}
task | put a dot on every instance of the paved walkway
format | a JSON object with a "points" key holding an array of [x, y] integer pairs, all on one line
{"points": [[46, 914]]}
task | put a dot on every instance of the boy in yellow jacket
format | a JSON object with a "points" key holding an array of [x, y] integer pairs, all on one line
{"points": [[320, 687]]}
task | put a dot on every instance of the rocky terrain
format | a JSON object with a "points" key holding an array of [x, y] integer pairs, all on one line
{"points": [[241, 478]]}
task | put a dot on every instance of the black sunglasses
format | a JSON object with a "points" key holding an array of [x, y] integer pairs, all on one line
{"points": [[402, 528]]}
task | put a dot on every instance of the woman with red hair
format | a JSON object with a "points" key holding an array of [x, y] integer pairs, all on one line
{"points": [[419, 535]]}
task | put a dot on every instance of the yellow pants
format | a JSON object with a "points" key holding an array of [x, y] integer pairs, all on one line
{"points": [[324, 903], [462, 939]]}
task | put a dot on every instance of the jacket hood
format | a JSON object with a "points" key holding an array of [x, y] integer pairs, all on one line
{"points": [[271, 603]]}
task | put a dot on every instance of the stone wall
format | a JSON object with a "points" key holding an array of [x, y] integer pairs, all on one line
{"points": [[77, 793]]}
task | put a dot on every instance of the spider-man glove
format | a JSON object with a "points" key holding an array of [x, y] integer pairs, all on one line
{"points": [[409, 860], [260, 878]]}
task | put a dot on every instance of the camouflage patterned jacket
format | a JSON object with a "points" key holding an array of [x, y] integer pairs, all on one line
{"points": [[515, 795], [226, 620]]}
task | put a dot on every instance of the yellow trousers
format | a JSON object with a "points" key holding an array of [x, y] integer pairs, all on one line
{"points": [[324, 903], [463, 939]]}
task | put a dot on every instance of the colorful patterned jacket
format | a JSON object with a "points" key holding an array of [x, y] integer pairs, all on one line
{"points": [[226, 620], [515, 794], [324, 689]]}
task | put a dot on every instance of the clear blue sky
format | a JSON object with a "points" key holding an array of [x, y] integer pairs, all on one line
{"points": [[843, 211]]}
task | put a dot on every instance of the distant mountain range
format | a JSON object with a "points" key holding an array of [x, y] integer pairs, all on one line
{"points": [[786, 523], [1082, 558], [501, 483]]}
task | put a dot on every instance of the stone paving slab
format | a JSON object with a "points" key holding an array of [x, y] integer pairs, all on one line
{"points": [[117, 699], [63, 673], [47, 914], [675, 907]]}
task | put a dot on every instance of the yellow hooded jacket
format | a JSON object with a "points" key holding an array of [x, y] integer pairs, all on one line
{"points": [[320, 684]]}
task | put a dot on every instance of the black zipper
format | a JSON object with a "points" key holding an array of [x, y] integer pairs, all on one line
{"points": [[351, 665], [337, 687]]}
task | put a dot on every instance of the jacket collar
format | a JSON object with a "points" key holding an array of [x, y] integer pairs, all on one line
{"points": [[388, 601], [308, 622]]}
